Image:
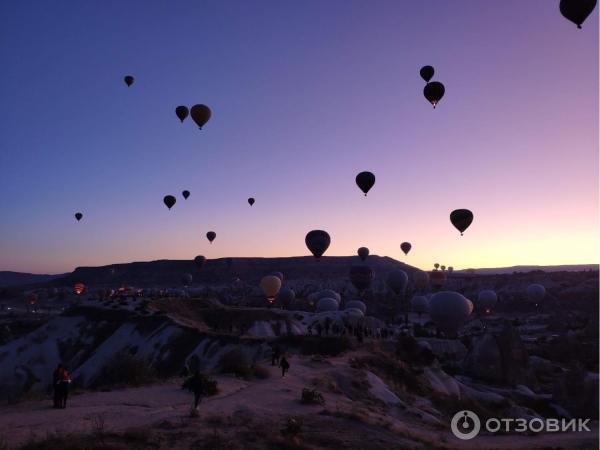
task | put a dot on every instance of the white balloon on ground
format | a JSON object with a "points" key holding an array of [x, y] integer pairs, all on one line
{"points": [[328, 293], [419, 304], [449, 310], [356, 304]]}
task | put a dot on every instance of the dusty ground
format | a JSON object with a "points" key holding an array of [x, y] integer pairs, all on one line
{"points": [[245, 414]]}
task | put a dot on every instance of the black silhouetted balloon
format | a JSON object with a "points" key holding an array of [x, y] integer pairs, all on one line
{"points": [[200, 114], [185, 194], [426, 73], [405, 246], [182, 112], [317, 242], [211, 235], [434, 92], [365, 181], [363, 252], [251, 201], [78, 216], [577, 10], [169, 201], [129, 80], [199, 261], [461, 219], [361, 277]]}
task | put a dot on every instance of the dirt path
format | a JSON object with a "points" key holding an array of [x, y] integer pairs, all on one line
{"points": [[270, 398]]}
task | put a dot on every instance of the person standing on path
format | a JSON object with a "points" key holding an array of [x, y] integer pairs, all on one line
{"points": [[285, 366]]}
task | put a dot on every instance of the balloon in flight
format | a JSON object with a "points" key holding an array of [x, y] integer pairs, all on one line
{"points": [[78, 216], [434, 92], [449, 310], [169, 201], [426, 73], [461, 219], [436, 266], [251, 201], [211, 235], [182, 112], [200, 114], [405, 247], [129, 80], [185, 194], [317, 242], [363, 252], [365, 181], [577, 10]]}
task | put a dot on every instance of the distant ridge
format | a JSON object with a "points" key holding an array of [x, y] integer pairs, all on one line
{"points": [[511, 269], [8, 278]]}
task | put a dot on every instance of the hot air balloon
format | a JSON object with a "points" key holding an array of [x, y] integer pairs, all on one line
{"points": [[450, 270], [356, 304], [437, 279], [270, 286], [169, 200], [421, 279], [536, 293], [577, 10], [199, 261], [251, 201], [405, 247], [78, 216], [185, 194], [129, 80], [327, 304], [328, 293], [361, 277], [78, 288], [182, 112], [486, 300], [426, 73], [278, 275], [186, 279], [317, 242], [365, 181], [286, 296], [211, 235], [436, 266], [434, 92], [397, 281], [363, 252], [200, 114], [419, 304], [461, 219], [443, 268], [449, 310]]}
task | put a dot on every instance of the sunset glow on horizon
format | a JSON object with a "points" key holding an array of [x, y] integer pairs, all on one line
{"points": [[304, 95]]}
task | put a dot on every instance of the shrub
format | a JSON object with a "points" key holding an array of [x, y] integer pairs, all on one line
{"points": [[125, 369], [235, 361], [312, 397]]}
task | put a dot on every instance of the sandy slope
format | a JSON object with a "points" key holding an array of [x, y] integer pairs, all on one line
{"points": [[276, 397]]}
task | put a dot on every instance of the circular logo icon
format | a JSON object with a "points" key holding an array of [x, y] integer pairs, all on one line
{"points": [[465, 425]]}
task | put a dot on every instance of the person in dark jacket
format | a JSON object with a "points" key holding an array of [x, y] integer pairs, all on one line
{"points": [[56, 377], [285, 366], [63, 387], [196, 385]]}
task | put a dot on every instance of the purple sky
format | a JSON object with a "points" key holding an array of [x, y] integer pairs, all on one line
{"points": [[305, 94]]}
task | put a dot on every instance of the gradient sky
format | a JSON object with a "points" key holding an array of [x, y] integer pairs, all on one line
{"points": [[305, 94]]}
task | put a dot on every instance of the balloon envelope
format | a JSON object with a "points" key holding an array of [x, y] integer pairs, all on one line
{"points": [[328, 293], [169, 200], [363, 252], [185, 194], [461, 219], [486, 300], [182, 112], [78, 216], [78, 288], [397, 281], [421, 279], [449, 310], [200, 114], [270, 286], [317, 242], [186, 279], [286, 296], [251, 201], [419, 304], [199, 261], [129, 80], [211, 235], [536, 292], [434, 92], [405, 247], [426, 73], [437, 278], [278, 275], [356, 304], [577, 10], [327, 304], [365, 181], [361, 277]]}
